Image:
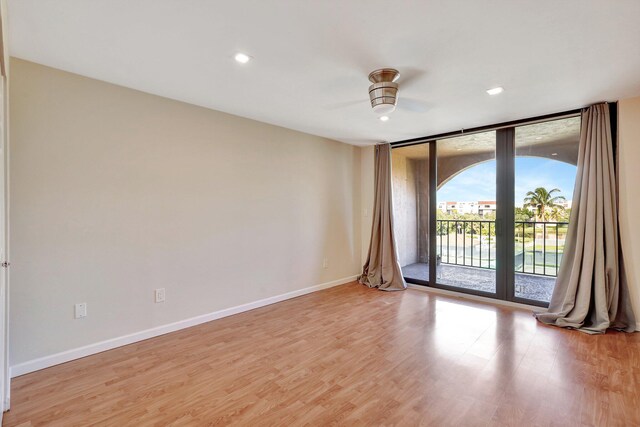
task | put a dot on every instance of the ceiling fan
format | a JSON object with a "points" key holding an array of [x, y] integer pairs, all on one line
{"points": [[383, 93]]}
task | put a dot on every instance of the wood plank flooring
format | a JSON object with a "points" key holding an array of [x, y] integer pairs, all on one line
{"points": [[348, 356]]}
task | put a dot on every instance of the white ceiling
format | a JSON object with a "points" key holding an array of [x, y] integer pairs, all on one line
{"points": [[312, 58]]}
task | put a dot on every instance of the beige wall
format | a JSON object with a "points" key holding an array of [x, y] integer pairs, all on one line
{"points": [[629, 184], [116, 193]]}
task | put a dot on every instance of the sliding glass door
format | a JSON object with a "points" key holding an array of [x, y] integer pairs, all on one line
{"points": [[546, 155], [410, 177], [487, 213], [466, 244]]}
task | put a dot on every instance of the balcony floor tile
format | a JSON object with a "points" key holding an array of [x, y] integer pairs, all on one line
{"points": [[529, 286]]}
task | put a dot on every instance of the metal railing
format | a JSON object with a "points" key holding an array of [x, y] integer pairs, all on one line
{"points": [[538, 246], [451, 233]]}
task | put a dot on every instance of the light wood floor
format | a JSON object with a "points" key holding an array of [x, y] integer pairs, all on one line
{"points": [[348, 356]]}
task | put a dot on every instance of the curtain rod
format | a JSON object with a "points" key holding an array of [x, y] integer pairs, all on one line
{"points": [[480, 129]]}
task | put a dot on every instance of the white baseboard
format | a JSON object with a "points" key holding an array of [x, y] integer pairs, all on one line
{"points": [[77, 353], [462, 295], [638, 326]]}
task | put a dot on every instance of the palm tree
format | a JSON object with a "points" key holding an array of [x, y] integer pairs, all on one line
{"points": [[543, 202]]}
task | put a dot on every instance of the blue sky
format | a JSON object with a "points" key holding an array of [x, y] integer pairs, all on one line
{"points": [[479, 182]]}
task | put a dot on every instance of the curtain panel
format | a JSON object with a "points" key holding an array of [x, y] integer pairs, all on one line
{"points": [[382, 268], [591, 292]]}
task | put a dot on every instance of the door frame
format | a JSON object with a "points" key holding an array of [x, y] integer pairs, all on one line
{"points": [[5, 375], [433, 221]]}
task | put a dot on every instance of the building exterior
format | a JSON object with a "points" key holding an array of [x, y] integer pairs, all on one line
{"points": [[565, 205], [471, 207], [486, 207], [481, 207]]}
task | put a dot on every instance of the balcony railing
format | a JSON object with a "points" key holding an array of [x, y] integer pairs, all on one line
{"points": [[538, 246]]}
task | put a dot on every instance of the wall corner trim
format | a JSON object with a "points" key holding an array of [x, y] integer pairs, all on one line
{"points": [[88, 350]]}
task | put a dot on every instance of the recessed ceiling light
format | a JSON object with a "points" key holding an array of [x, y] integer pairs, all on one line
{"points": [[242, 58], [495, 91], [384, 118], [554, 154], [538, 138]]}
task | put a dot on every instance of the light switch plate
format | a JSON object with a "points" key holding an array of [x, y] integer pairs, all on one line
{"points": [[159, 295], [80, 310]]}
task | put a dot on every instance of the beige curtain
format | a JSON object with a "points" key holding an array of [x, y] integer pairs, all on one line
{"points": [[382, 269], [591, 292]]}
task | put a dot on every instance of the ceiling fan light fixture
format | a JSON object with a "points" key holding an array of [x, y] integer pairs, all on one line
{"points": [[242, 58], [383, 93], [495, 91], [383, 106]]}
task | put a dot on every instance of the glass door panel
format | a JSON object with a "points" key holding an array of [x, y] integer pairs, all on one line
{"points": [[545, 169], [466, 241], [410, 177]]}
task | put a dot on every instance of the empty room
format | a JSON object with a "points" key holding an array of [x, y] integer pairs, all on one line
{"points": [[311, 213]]}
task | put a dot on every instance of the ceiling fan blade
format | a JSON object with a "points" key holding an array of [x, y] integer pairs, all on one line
{"points": [[346, 104], [409, 76], [413, 105]]}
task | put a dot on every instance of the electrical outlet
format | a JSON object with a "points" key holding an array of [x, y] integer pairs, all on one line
{"points": [[80, 310], [325, 263], [159, 295]]}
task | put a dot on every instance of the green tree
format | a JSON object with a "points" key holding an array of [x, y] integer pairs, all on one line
{"points": [[523, 215], [544, 203], [467, 223], [561, 214]]}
